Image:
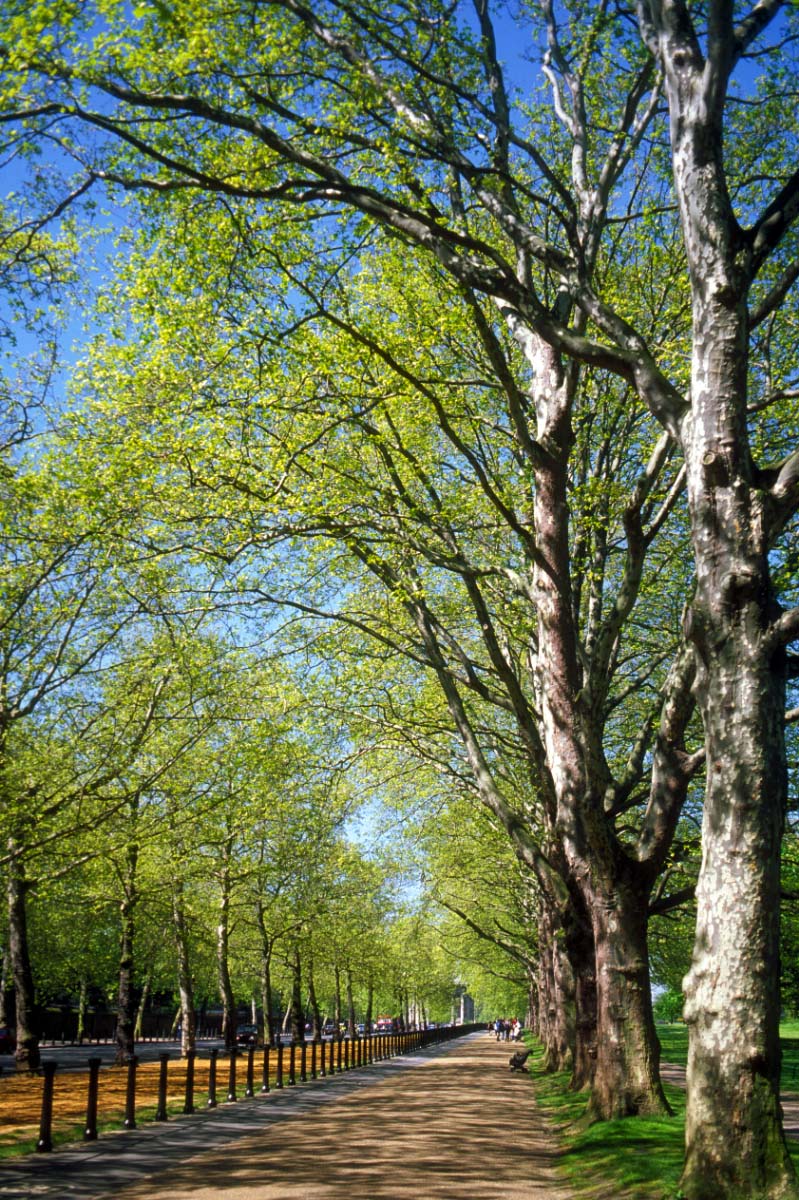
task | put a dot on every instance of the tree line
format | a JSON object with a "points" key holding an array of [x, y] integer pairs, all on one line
{"points": [[468, 342]]}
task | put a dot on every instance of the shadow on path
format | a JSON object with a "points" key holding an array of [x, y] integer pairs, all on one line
{"points": [[447, 1123]]}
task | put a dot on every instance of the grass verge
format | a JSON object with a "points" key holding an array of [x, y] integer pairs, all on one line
{"points": [[638, 1158], [674, 1049]]}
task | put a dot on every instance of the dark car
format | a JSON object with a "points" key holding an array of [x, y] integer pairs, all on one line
{"points": [[8, 1041], [247, 1035]]}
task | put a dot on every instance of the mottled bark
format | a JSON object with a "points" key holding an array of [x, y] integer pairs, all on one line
{"points": [[142, 1006], [350, 1005], [223, 951], [297, 1014], [83, 1003], [26, 1055], [316, 1016], [735, 1145], [627, 1075], [188, 1017], [5, 972], [126, 1005], [267, 947]]}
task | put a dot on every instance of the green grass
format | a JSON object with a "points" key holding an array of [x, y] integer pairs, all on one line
{"points": [[639, 1158], [674, 1049]]}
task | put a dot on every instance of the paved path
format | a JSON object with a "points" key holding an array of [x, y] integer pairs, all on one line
{"points": [[447, 1123]]}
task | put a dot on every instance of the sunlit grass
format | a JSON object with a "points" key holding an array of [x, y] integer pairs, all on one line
{"points": [[674, 1049], [639, 1158]]}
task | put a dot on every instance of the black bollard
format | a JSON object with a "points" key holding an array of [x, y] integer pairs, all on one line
{"points": [[279, 1080], [188, 1105], [313, 1060], [265, 1083], [303, 1063], [292, 1064], [212, 1079], [231, 1079], [130, 1093], [339, 1053], [45, 1141], [249, 1090], [160, 1112], [90, 1130]]}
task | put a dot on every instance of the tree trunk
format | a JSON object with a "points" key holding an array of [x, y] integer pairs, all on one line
{"points": [[83, 1000], [627, 1076], [5, 970], [735, 1143], [27, 1056], [188, 1017], [316, 1016], [337, 977], [267, 946], [266, 997], [125, 1031], [350, 1006], [370, 998], [145, 996], [223, 952], [297, 1014]]}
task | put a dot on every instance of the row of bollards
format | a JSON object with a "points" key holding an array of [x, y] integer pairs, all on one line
{"points": [[326, 1059]]}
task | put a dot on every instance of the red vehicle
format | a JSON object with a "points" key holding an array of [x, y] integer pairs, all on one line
{"points": [[384, 1025]]}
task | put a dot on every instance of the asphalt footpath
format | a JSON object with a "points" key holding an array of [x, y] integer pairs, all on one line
{"points": [[450, 1121]]}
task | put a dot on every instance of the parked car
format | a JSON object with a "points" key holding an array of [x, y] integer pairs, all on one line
{"points": [[8, 1040], [247, 1035]]}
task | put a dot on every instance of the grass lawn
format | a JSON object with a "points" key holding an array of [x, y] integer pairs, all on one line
{"points": [[639, 1158], [674, 1049]]}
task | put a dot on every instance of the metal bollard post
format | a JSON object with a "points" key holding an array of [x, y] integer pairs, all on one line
{"points": [[212, 1079], [249, 1090], [279, 1080], [90, 1130], [231, 1079], [265, 1079], [45, 1141], [130, 1093], [338, 1055], [313, 1060], [304, 1063], [292, 1065], [188, 1106], [160, 1112]]}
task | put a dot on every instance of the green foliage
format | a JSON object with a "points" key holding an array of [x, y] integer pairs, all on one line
{"points": [[668, 1006]]}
